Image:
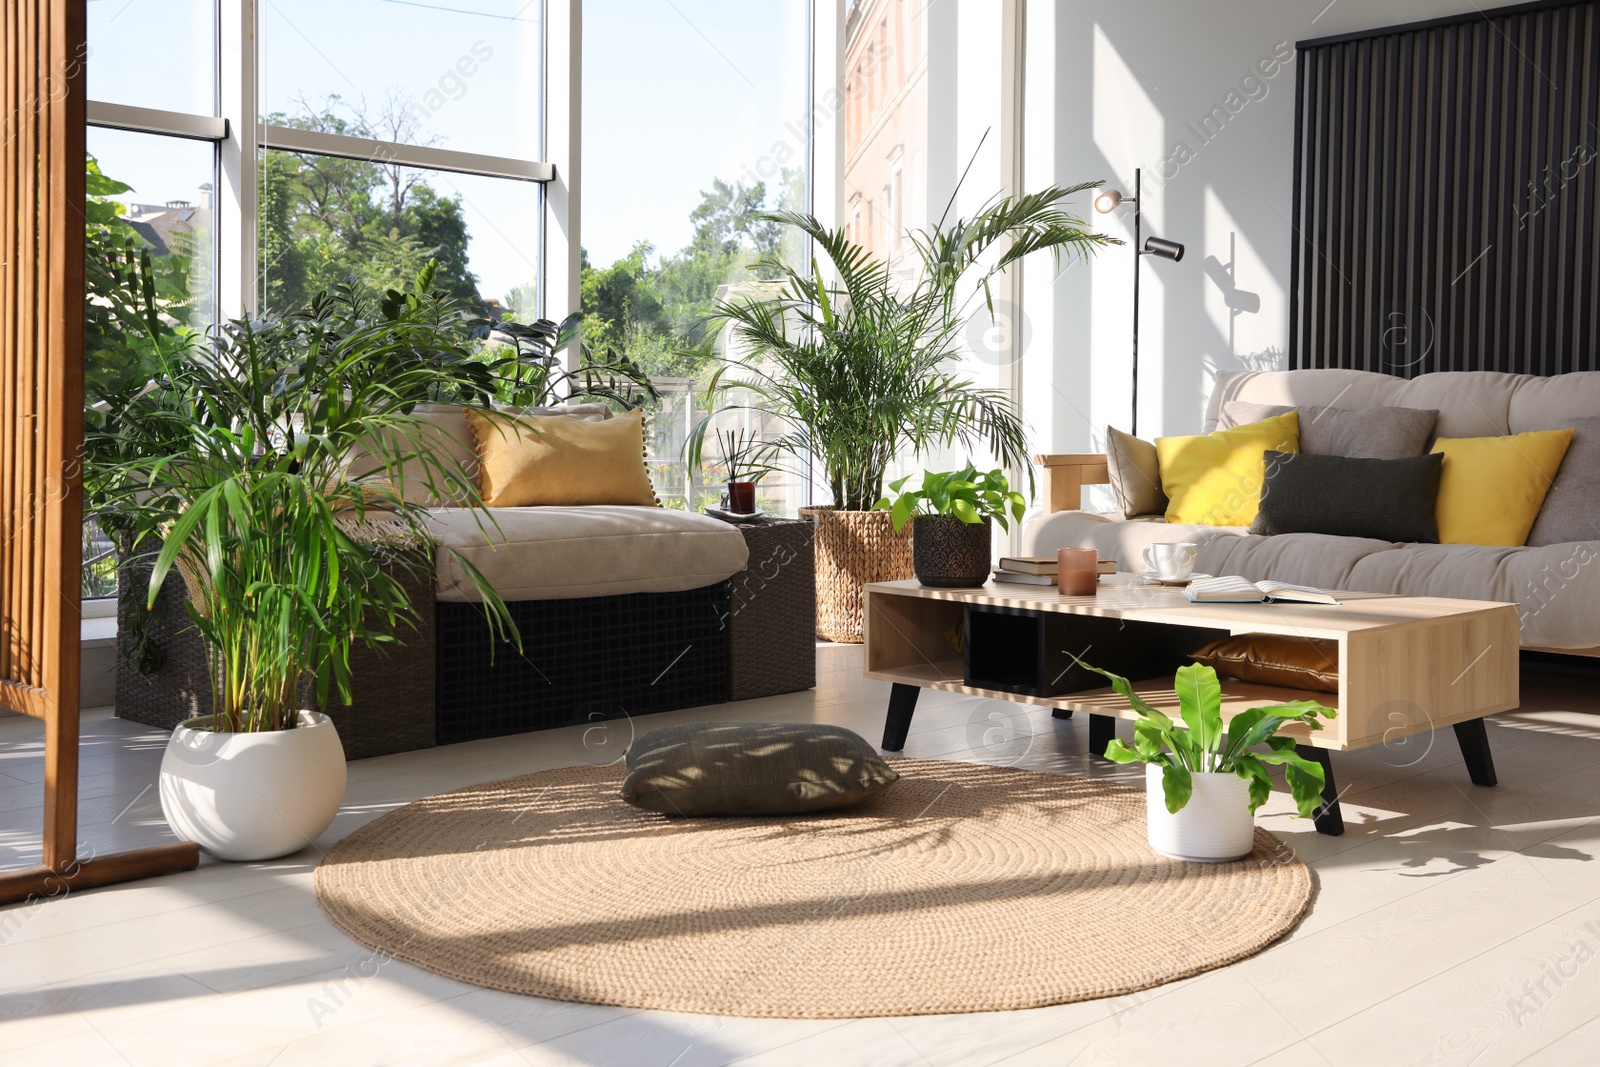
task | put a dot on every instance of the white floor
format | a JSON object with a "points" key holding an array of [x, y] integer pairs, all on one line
{"points": [[1453, 924]]}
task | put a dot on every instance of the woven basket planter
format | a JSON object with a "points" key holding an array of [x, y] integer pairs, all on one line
{"points": [[854, 548]]}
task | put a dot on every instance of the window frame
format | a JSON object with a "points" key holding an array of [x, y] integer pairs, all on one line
{"points": [[240, 137]]}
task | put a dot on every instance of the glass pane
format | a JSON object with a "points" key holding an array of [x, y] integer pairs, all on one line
{"points": [[467, 76], [149, 221], [325, 219], [710, 99], [154, 53]]}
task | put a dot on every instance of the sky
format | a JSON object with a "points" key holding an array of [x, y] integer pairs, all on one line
{"points": [[675, 94]]}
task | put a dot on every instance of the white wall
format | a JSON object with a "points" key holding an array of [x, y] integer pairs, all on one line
{"points": [[1111, 87]]}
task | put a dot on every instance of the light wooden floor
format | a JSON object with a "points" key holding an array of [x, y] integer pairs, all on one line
{"points": [[1454, 924]]}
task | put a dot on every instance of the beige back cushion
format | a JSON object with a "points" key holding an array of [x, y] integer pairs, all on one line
{"points": [[1470, 403], [445, 433]]}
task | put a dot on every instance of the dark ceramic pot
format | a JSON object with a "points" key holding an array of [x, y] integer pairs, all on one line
{"points": [[949, 553]]}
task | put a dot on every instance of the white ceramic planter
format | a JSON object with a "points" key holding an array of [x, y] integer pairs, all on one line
{"points": [[1214, 827], [253, 796]]}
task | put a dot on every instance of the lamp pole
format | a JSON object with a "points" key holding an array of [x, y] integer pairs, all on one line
{"points": [[1106, 203], [1138, 253]]}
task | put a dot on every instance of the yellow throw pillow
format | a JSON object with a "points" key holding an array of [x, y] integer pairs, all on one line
{"points": [[1216, 479], [1491, 488], [559, 460]]}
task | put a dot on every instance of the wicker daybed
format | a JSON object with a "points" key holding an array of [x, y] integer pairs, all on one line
{"points": [[623, 610]]}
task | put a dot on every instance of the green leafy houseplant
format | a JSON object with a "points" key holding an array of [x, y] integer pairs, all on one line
{"points": [[859, 367], [964, 494], [1203, 743], [238, 460]]}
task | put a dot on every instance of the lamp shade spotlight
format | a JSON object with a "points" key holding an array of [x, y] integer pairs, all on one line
{"points": [[1157, 246], [1107, 201]]}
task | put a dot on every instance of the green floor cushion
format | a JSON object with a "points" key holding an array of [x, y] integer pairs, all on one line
{"points": [[752, 768]]}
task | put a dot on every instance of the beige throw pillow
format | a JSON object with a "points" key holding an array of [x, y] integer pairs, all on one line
{"points": [[559, 460], [1135, 471]]}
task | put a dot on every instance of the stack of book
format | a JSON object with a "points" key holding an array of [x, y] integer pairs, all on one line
{"points": [[1037, 570]]}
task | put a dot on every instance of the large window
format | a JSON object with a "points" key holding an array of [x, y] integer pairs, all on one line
{"points": [[722, 91], [256, 153], [383, 135]]}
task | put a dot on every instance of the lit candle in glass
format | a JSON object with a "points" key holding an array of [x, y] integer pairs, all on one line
{"points": [[1077, 571]]}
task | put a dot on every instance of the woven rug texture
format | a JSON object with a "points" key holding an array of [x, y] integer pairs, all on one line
{"points": [[962, 888]]}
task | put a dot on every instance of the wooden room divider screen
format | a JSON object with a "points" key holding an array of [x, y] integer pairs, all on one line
{"points": [[42, 52]]}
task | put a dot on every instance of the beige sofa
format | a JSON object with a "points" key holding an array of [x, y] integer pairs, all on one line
{"points": [[1557, 586]]}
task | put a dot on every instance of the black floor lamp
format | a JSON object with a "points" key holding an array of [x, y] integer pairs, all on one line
{"points": [[1105, 203]]}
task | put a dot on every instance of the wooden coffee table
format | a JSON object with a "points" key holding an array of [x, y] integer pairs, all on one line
{"points": [[1407, 665]]}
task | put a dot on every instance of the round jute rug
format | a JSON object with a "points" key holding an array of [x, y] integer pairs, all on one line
{"points": [[963, 888]]}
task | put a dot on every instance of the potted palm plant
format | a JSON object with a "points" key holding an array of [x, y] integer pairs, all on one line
{"points": [[740, 448], [952, 513], [1205, 779], [241, 469], [860, 369]]}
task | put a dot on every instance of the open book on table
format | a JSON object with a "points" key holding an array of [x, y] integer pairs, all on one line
{"points": [[1232, 589]]}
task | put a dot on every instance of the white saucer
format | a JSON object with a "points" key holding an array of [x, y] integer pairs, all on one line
{"points": [[1156, 579]]}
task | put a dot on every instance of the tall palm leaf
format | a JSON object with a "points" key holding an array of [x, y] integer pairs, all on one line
{"points": [[859, 369]]}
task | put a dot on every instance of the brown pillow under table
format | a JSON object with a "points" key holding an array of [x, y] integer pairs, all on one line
{"points": [[1270, 659]]}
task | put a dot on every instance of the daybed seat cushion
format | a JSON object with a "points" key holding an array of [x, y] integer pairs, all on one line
{"points": [[555, 553], [1558, 586]]}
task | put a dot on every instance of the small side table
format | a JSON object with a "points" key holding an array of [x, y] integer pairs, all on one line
{"points": [[773, 611]]}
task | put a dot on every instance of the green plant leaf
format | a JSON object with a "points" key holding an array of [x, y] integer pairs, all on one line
{"points": [[1200, 704], [1250, 769], [1177, 786], [1117, 752], [1305, 779]]}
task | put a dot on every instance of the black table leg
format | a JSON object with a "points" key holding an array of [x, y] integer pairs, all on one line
{"points": [[1102, 728], [1328, 818], [1061, 713], [902, 705], [1473, 737]]}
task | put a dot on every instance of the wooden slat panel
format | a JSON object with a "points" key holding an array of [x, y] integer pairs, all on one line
{"points": [[41, 388], [1442, 219]]}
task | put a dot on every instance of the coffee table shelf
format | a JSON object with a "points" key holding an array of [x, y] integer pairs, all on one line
{"points": [[1158, 692]]}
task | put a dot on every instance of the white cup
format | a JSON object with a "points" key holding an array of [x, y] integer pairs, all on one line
{"points": [[1171, 560]]}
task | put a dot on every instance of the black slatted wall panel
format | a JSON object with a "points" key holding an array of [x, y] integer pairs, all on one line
{"points": [[1447, 205]]}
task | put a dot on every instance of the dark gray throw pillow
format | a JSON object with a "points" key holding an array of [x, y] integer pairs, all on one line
{"points": [[1358, 433], [1388, 499], [1571, 510], [752, 768]]}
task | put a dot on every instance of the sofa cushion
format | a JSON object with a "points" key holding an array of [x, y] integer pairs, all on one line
{"points": [[551, 553], [1372, 433], [1492, 487], [1557, 587], [1323, 387], [441, 430], [752, 769], [1322, 560], [1389, 499], [1135, 469], [557, 460], [1216, 479], [1470, 403], [1550, 403], [444, 431], [1571, 510]]}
